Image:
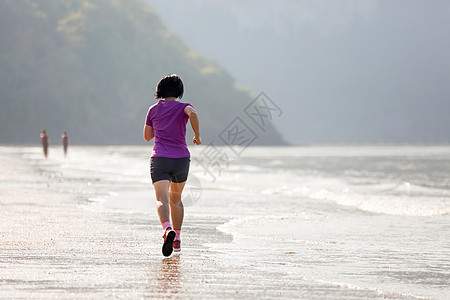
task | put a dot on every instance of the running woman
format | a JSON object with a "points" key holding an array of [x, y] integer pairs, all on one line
{"points": [[169, 164]]}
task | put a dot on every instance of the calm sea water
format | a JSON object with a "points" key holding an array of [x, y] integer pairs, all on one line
{"points": [[371, 219]]}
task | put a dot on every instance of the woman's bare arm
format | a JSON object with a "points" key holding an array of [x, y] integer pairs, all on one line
{"points": [[149, 133], [193, 118]]}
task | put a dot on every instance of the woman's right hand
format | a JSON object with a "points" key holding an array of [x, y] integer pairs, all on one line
{"points": [[197, 140]]}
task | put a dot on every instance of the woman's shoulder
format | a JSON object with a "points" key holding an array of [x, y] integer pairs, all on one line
{"points": [[168, 105], [184, 104], [154, 106]]}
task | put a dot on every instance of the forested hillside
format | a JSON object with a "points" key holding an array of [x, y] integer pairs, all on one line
{"points": [[89, 67]]}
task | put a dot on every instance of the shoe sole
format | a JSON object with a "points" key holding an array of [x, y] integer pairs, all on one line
{"points": [[167, 247]]}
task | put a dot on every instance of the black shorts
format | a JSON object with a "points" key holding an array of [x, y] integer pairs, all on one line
{"points": [[172, 169]]}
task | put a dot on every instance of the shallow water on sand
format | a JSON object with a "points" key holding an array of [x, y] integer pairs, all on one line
{"points": [[375, 219], [369, 222]]}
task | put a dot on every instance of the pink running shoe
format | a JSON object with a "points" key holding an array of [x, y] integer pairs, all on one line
{"points": [[177, 246], [168, 236]]}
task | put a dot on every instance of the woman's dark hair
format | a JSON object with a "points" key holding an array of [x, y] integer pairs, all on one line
{"points": [[170, 86]]}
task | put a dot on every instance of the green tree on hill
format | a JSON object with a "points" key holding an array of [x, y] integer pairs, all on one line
{"points": [[90, 67]]}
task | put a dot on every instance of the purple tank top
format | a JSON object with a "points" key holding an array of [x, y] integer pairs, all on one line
{"points": [[169, 120]]}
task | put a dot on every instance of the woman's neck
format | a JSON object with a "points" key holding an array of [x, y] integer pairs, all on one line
{"points": [[170, 99]]}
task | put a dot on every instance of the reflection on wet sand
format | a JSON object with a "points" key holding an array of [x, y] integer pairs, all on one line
{"points": [[168, 278]]}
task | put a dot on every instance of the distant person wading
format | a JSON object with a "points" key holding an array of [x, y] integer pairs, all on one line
{"points": [[45, 142], [65, 142], [169, 164]]}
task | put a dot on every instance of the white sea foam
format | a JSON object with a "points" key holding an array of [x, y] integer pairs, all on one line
{"points": [[401, 199], [398, 203]]}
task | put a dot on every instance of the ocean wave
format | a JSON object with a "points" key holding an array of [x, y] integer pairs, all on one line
{"points": [[392, 198], [273, 228], [398, 205]]}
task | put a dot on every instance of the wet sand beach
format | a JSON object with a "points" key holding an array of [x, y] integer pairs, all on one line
{"points": [[53, 246]]}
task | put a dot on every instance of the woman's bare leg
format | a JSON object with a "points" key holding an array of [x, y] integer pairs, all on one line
{"points": [[162, 199], [176, 205]]}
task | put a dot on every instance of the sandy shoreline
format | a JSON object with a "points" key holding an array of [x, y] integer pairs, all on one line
{"points": [[51, 247]]}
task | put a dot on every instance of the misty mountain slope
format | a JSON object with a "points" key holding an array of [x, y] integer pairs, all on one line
{"points": [[344, 71], [90, 68]]}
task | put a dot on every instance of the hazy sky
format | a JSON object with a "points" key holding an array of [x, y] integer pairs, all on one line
{"points": [[342, 70]]}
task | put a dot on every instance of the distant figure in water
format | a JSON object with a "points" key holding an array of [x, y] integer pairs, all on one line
{"points": [[169, 164], [65, 142], [44, 141]]}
